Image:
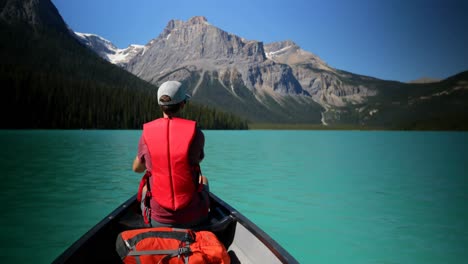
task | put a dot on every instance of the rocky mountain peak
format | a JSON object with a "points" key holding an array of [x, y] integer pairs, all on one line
{"points": [[290, 53], [38, 14], [173, 23], [275, 46], [198, 20]]}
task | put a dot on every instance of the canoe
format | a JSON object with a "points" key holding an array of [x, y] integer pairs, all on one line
{"points": [[245, 241]]}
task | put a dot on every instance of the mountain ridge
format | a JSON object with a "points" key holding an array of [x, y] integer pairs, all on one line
{"points": [[262, 82], [267, 83]]}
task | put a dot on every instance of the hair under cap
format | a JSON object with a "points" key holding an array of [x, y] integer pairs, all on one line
{"points": [[175, 90]]}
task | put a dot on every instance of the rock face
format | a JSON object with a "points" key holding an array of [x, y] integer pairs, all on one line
{"points": [[324, 83], [197, 44]]}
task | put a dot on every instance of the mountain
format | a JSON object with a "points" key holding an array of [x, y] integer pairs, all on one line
{"points": [[282, 83], [425, 80], [49, 79], [38, 15], [426, 106], [109, 51]]}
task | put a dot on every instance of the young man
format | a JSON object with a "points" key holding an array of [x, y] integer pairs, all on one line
{"points": [[173, 191]]}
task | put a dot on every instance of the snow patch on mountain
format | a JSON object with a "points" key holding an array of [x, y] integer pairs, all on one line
{"points": [[108, 50], [271, 55]]}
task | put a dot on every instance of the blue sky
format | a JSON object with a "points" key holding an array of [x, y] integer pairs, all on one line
{"points": [[388, 39]]}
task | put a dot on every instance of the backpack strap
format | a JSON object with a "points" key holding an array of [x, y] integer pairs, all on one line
{"points": [[183, 251], [181, 236]]}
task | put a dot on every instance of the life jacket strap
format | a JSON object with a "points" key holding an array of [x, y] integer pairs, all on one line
{"points": [[146, 200], [144, 181]]}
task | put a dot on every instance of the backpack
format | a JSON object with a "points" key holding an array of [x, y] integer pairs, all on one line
{"points": [[170, 245]]}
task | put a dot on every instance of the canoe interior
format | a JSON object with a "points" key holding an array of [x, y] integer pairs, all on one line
{"points": [[245, 242]]}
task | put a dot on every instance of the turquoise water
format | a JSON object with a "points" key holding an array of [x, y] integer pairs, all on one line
{"points": [[327, 197]]}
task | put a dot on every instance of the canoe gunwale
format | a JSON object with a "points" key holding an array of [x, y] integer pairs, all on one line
{"points": [[116, 214], [266, 239]]}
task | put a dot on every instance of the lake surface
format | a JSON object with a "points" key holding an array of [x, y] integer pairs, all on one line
{"points": [[326, 196]]}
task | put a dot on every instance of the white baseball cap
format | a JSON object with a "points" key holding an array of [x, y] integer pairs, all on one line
{"points": [[175, 90]]}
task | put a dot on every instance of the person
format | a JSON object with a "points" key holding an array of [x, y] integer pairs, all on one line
{"points": [[173, 192]]}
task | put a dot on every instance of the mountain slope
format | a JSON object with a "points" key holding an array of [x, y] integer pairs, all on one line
{"points": [[440, 105], [50, 80]]}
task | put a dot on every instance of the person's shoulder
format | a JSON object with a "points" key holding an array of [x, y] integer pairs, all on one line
{"points": [[199, 133], [199, 130]]}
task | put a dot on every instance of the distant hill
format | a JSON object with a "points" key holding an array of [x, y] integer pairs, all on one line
{"points": [[49, 79], [431, 106], [282, 83], [425, 80]]}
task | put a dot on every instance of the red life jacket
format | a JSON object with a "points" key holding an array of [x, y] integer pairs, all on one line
{"points": [[172, 177]]}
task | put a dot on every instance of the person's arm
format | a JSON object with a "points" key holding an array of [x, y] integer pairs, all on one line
{"points": [[196, 152], [138, 165]]}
